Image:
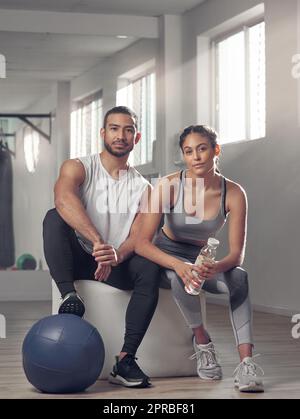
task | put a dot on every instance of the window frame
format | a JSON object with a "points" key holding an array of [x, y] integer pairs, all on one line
{"points": [[244, 27], [80, 104], [131, 80]]}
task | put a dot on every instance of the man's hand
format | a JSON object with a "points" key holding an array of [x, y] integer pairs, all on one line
{"points": [[106, 255], [102, 272]]}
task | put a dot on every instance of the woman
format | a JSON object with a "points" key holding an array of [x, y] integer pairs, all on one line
{"points": [[185, 231]]}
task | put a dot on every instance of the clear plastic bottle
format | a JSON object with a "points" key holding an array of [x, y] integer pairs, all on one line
{"points": [[208, 253]]}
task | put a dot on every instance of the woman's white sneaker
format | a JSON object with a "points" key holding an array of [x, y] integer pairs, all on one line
{"points": [[208, 367], [246, 378]]}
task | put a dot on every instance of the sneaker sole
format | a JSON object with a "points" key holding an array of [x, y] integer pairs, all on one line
{"points": [[68, 309], [121, 381], [214, 378], [250, 388]]}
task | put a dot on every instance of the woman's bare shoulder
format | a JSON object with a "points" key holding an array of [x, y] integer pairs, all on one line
{"points": [[236, 196], [234, 188]]}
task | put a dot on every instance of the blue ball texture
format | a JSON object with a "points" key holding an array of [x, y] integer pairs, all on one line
{"points": [[62, 354]]}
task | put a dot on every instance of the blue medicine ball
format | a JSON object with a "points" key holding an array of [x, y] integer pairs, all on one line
{"points": [[62, 354]]}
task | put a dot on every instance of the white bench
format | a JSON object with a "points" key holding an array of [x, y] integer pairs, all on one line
{"points": [[167, 344]]}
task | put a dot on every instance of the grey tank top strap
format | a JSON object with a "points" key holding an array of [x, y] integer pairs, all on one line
{"points": [[223, 197]]}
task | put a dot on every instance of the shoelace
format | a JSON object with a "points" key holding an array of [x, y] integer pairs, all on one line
{"points": [[250, 366], [208, 355]]}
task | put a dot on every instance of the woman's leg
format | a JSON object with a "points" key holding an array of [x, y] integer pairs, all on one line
{"points": [[235, 284], [208, 367], [189, 305]]}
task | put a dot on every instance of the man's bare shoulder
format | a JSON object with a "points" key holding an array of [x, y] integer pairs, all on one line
{"points": [[72, 168]]}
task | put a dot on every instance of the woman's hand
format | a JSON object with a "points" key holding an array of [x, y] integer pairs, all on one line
{"points": [[185, 271], [208, 269]]}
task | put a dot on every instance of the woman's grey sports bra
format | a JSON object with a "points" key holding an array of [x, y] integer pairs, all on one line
{"points": [[188, 228]]}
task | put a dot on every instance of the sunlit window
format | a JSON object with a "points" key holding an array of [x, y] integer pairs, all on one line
{"points": [[240, 85], [139, 95], [31, 148], [86, 122]]}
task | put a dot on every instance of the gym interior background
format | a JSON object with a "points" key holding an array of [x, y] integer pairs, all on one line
{"points": [[176, 63]]}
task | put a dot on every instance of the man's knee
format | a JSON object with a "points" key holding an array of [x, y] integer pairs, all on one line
{"points": [[52, 219], [146, 271]]}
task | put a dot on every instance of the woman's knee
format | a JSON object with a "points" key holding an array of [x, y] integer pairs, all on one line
{"points": [[238, 284]]}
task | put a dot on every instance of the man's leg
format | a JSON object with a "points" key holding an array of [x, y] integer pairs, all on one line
{"points": [[146, 277], [143, 276], [66, 259]]}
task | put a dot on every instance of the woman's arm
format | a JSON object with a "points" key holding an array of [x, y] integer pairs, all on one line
{"points": [[149, 223], [237, 232]]}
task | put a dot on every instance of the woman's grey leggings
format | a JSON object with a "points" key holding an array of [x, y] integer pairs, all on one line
{"points": [[234, 283]]}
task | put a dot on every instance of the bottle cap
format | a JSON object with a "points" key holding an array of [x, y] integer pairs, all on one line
{"points": [[213, 242]]}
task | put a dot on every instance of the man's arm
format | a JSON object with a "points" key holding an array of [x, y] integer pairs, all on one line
{"points": [[68, 202], [107, 255]]}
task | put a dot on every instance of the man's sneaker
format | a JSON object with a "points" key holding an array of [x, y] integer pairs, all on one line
{"points": [[127, 373], [246, 378], [72, 303], [208, 367]]}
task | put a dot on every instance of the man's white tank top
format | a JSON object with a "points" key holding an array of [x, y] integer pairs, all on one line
{"points": [[110, 203]]}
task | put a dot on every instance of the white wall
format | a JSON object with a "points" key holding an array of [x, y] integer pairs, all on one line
{"points": [[268, 169]]}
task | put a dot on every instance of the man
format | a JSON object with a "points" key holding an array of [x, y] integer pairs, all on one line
{"points": [[91, 235]]}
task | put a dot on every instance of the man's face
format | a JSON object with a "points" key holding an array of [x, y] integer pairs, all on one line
{"points": [[120, 134]]}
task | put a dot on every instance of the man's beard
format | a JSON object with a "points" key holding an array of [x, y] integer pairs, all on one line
{"points": [[117, 153]]}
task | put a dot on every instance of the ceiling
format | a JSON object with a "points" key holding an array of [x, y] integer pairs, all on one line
{"points": [[36, 61], [127, 7]]}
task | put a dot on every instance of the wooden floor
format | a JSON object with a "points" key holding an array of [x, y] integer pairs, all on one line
{"points": [[280, 360]]}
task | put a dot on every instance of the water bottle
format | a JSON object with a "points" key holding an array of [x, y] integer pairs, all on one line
{"points": [[207, 253]]}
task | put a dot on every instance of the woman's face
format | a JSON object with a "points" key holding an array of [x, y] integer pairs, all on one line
{"points": [[198, 153]]}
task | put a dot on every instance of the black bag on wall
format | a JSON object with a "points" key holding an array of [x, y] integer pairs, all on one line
{"points": [[7, 245]]}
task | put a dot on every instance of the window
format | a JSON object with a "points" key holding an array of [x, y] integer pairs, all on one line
{"points": [[240, 85], [86, 122], [139, 95], [31, 148]]}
